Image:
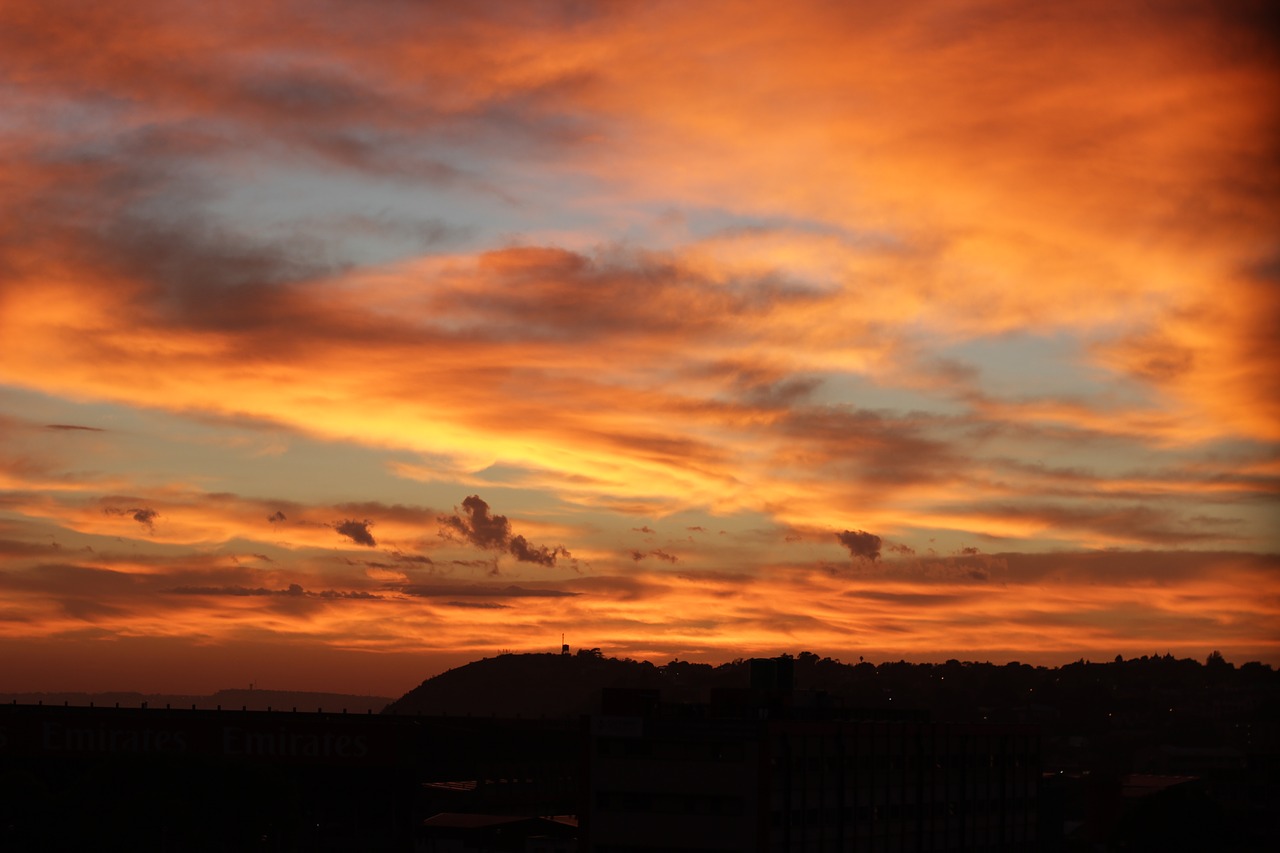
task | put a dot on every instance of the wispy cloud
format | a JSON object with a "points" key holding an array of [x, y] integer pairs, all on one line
{"points": [[477, 526], [356, 531]]}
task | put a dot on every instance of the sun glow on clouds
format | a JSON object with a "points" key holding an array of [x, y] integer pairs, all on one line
{"points": [[679, 292]]}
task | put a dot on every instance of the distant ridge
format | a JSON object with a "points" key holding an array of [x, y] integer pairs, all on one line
{"points": [[554, 685], [231, 699]]}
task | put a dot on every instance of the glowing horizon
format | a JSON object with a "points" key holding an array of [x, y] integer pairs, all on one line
{"points": [[348, 344]]}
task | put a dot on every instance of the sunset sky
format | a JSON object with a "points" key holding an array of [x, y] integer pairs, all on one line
{"points": [[344, 342]]}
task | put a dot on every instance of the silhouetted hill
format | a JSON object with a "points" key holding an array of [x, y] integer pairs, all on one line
{"points": [[1181, 700], [550, 685]]}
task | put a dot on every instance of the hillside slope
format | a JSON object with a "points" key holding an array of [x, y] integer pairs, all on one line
{"points": [[550, 685]]}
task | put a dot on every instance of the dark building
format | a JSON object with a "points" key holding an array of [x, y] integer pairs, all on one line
{"points": [[160, 779], [753, 769], [766, 770]]}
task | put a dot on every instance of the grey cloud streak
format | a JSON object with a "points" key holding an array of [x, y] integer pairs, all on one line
{"points": [[474, 591], [293, 590], [656, 553]]}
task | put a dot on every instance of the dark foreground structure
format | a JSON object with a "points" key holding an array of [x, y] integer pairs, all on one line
{"points": [[181, 780], [764, 768], [727, 776]]}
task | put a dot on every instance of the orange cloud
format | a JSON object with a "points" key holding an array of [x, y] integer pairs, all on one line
{"points": [[638, 262]]}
